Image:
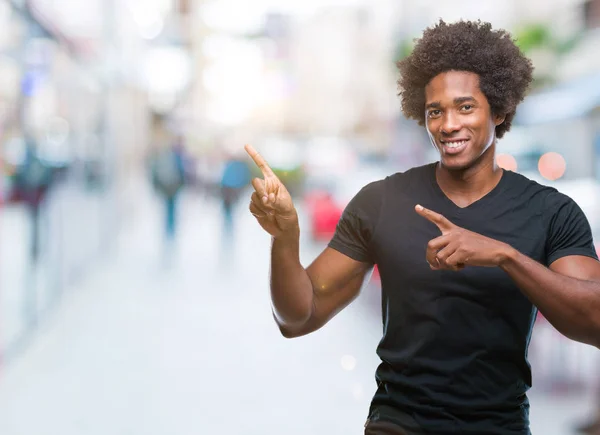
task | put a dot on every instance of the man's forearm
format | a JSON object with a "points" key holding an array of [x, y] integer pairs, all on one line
{"points": [[571, 305], [291, 287]]}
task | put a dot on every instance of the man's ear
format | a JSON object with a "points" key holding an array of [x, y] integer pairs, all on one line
{"points": [[499, 119]]}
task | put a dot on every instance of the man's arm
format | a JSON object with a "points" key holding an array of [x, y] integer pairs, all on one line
{"points": [[567, 293], [306, 299], [303, 300]]}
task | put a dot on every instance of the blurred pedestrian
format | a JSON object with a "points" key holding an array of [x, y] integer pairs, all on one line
{"points": [[467, 252], [236, 177], [33, 178], [168, 178]]}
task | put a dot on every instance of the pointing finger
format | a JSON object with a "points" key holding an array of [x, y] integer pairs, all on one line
{"points": [[260, 162], [439, 220]]}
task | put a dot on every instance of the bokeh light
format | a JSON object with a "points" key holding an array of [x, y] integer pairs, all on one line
{"points": [[348, 363], [506, 161], [552, 166]]}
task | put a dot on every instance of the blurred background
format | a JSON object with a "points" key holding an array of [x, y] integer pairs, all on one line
{"points": [[134, 282]]}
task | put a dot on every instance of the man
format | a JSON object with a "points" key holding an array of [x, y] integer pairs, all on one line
{"points": [[467, 252]]}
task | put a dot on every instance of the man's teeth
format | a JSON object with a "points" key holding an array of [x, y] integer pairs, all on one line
{"points": [[455, 144]]}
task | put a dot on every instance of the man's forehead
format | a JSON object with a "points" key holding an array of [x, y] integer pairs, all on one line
{"points": [[451, 85]]}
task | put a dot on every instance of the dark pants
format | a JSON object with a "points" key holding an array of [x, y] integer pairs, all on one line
{"points": [[383, 428], [229, 196], [170, 216]]}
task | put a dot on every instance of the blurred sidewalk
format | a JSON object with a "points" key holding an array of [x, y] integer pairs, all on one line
{"points": [[146, 348], [71, 228]]}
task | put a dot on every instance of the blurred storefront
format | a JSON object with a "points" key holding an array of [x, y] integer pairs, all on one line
{"points": [[65, 101]]}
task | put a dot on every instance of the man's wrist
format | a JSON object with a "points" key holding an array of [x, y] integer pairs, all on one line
{"points": [[291, 235], [507, 256]]}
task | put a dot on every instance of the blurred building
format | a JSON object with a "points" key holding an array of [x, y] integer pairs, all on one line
{"points": [[564, 115], [296, 71], [71, 87]]}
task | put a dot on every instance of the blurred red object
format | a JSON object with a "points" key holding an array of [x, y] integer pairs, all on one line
{"points": [[324, 214], [376, 277]]}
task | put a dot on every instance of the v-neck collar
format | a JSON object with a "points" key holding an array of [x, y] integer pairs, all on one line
{"points": [[500, 186]]}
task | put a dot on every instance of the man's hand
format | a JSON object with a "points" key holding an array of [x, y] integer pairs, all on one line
{"points": [[457, 247], [271, 203]]}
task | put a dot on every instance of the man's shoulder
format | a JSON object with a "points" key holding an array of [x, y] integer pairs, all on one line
{"points": [[411, 177], [522, 184], [540, 197]]}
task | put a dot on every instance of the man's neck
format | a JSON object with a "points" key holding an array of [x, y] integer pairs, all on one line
{"points": [[469, 185]]}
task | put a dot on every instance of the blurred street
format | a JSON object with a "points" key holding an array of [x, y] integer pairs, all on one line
{"points": [[146, 346], [134, 282]]}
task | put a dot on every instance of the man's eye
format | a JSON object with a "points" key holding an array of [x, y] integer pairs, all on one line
{"points": [[434, 113], [467, 107]]}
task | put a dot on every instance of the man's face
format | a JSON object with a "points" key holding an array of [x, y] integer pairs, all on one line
{"points": [[458, 118]]}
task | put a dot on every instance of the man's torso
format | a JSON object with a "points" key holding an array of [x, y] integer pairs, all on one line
{"points": [[455, 343]]}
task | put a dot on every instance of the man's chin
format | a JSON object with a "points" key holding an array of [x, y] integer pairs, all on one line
{"points": [[454, 164]]}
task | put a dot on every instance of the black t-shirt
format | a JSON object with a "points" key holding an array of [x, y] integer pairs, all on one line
{"points": [[454, 346]]}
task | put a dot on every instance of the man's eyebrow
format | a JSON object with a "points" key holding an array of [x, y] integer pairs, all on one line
{"points": [[460, 100], [457, 100]]}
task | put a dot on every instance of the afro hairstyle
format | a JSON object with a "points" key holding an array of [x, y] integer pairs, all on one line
{"points": [[505, 74]]}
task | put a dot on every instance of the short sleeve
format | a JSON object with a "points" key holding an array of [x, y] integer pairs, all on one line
{"points": [[356, 226], [569, 231]]}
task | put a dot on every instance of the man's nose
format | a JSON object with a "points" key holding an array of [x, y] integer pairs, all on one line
{"points": [[450, 123]]}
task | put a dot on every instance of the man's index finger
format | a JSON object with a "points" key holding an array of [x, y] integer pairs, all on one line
{"points": [[258, 160], [439, 220]]}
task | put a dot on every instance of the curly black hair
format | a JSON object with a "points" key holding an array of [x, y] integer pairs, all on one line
{"points": [[504, 72]]}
